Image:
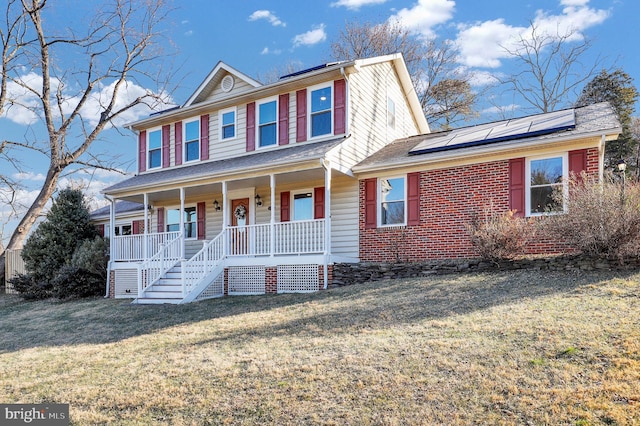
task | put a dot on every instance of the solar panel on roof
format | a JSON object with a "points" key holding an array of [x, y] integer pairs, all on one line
{"points": [[483, 134]]}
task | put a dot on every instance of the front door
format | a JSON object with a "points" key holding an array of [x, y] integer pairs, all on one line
{"points": [[239, 222]]}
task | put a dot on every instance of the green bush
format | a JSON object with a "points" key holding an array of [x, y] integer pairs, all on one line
{"points": [[30, 288], [73, 282], [64, 257]]}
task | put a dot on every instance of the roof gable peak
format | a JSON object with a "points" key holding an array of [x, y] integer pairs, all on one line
{"points": [[218, 76]]}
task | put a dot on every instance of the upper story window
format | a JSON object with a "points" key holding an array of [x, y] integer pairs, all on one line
{"points": [[320, 122], [268, 123], [391, 113], [544, 177], [154, 148], [303, 205], [392, 200], [192, 140], [190, 221], [227, 124]]}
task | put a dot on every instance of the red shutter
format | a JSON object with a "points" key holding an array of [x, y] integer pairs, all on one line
{"points": [[204, 137], [160, 219], [251, 126], [413, 198], [142, 151], [318, 203], [100, 230], [301, 115], [166, 136], [516, 186], [285, 206], [283, 119], [201, 215], [136, 227], [370, 198], [339, 107], [578, 162], [178, 142]]}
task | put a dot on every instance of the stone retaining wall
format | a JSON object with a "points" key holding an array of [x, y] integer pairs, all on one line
{"points": [[355, 273]]}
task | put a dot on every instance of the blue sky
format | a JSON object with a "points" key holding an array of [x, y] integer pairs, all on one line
{"points": [[257, 36]]}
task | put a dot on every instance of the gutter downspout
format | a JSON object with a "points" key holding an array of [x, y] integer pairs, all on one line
{"points": [[112, 215], [346, 103], [601, 157]]}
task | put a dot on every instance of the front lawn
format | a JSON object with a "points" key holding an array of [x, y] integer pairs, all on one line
{"points": [[507, 348]]}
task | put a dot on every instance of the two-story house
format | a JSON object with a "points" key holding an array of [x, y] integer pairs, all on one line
{"points": [[249, 188], [253, 189]]}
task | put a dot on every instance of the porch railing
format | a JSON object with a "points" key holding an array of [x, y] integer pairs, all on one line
{"points": [[297, 237], [202, 263], [131, 247], [152, 269]]}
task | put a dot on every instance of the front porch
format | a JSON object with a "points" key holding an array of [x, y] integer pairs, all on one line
{"points": [[240, 260]]}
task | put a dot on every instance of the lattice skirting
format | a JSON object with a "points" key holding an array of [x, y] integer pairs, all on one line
{"points": [[215, 289], [298, 278], [246, 280]]}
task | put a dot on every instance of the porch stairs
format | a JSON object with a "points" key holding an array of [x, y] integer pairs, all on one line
{"points": [[186, 281], [168, 289]]}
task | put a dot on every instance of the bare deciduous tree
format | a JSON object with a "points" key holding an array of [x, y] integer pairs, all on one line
{"points": [[431, 64], [76, 81], [550, 68]]}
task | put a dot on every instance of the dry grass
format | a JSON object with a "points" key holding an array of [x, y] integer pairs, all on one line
{"points": [[516, 348]]}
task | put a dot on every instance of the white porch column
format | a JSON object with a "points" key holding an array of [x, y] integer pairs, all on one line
{"points": [[272, 242], [225, 221], [327, 219], [182, 221], [145, 242], [112, 225]]}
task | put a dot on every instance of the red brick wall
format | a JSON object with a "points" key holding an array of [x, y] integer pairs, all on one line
{"points": [[271, 280], [449, 200]]}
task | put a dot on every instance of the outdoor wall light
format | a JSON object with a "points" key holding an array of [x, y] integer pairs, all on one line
{"points": [[258, 200], [216, 205]]}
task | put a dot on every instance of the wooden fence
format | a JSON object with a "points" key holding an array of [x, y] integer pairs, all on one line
{"points": [[14, 266]]}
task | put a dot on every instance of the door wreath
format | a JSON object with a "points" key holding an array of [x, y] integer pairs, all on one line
{"points": [[240, 212]]}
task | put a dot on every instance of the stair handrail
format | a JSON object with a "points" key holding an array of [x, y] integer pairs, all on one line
{"points": [[202, 263], [154, 268]]}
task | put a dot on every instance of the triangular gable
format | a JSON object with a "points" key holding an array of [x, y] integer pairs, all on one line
{"points": [[214, 81]]}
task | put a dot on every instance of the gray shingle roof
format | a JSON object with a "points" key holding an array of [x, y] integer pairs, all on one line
{"points": [[589, 119], [121, 207], [276, 157]]}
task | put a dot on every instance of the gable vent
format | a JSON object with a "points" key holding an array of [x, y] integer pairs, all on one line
{"points": [[227, 83]]}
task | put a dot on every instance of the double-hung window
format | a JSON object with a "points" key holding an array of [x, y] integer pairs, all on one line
{"points": [[154, 148], [227, 124], [268, 123], [321, 122], [545, 177], [189, 218], [303, 205], [392, 201], [192, 140]]}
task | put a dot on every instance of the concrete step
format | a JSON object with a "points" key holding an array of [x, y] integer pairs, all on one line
{"points": [[154, 301]]}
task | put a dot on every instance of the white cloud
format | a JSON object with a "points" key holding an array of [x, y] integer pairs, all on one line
{"points": [[188, 33], [267, 51], [269, 16], [356, 4], [30, 176], [425, 15], [24, 108], [483, 44], [311, 37]]}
